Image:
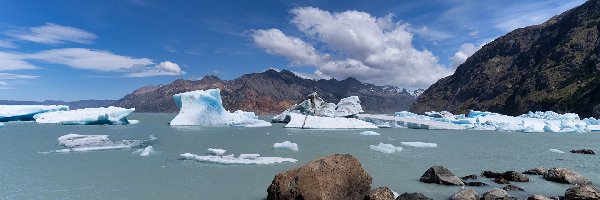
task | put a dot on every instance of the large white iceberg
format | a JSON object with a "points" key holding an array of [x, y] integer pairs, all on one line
{"points": [[315, 106], [26, 112], [87, 116], [205, 108], [76, 142], [316, 122], [242, 159]]}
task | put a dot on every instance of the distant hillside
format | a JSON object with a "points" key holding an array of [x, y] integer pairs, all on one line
{"points": [[72, 104], [271, 92], [552, 66]]}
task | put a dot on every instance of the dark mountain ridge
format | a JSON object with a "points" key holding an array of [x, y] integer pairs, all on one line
{"points": [[552, 66], [270, 92]]}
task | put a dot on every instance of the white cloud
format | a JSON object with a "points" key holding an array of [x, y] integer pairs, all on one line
{"points": [[9, 76], [537, 12], [465, 51], [4, 85], [275, 42], [317, 75], [90, 59], [7, 44], [52, 34], [376, 50], [430, 34], [165, 68]]}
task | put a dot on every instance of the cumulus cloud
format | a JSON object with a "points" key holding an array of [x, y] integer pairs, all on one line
{"points": [[371, 49], [465, 51], [52, 34], [90, 59]]}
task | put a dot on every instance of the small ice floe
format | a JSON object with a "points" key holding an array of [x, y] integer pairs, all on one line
{"points": [[385, 148], [1, 125], [286, 145], [556, 151], [419, 144], [152, 137], [217, 152], [76, 142], [133, 121], [144, 152], [396, 195], [242, 159], [369, 133]]}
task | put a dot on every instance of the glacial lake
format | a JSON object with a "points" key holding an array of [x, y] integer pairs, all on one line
{"points": [[25, 173]]}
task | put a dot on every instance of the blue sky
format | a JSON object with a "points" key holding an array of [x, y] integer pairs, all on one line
{"points": [[71, 50]]}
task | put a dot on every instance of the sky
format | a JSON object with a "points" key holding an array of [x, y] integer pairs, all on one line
{"points": [[104, 49]]}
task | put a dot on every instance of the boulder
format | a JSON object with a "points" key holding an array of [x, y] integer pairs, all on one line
{"points": [[536, 171], [440, 175], [501, 180], [515, 176], [538, 197], [469, 177], [413, 196], [475, 183], [491, 174], [582, 192], [513, 188], [380, 193], [465, 194], [584, 151], [496, 194], [337, 176], [564, 175]]}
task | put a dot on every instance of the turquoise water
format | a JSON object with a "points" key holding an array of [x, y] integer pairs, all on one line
{"points": [[27, 174]]}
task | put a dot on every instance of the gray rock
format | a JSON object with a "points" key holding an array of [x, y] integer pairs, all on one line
{"points": [[515, 176], [465, 194], [584, 192], [536, 171], [564, 175], [380, 193], [584, 151], [337, 176], [538, 197], [413, 196], [496, 194], [440, 175], [513, 188]]}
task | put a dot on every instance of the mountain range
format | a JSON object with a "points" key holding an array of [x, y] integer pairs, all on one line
{"points": [[552, 66], [271, 92]]}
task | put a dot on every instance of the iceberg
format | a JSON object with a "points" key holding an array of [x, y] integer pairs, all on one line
{"points": [[242, 159], [205, 108], [556, 151], [316, 122], [26, 112], [1, 125], [419, 144], [315, 106], [87, 116], [217, 152], [369, 133], [286, 145], [76, 142], [385, 148], [144, 152]]}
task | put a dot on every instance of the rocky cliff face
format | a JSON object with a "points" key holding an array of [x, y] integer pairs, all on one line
{"points": [[271, 92], [552, 66]]}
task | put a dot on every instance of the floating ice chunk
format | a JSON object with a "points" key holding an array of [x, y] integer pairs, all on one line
{"points": [[1, 125], [385, 148], [316, 122], [243, 159], [147, 151], [76, 142], [133, 121], [419, 144], [286, 145], [369, 133], [87, 116], [594, 127], [217, 152], [556, 151], [205, 108], [152, 137], [315, 106], [26, 112]]}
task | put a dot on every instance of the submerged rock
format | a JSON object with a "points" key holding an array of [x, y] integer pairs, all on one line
{"points": [[515, 176], [582, 192], [380, 193], [469, 177], [536, 171], [584, 151], [465, 194], [413, 196], [337, 176], [513, 188], [495, 194], [440, 175], [491, 174], [538, 197], [475, 183], [501, 180], [564, 175]]}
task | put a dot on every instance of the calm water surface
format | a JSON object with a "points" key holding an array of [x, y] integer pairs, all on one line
{"points": [[27, 174]]}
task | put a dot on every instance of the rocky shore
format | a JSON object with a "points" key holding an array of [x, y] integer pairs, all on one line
{"points": [[341, 176]]}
